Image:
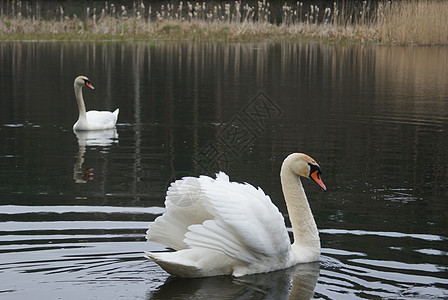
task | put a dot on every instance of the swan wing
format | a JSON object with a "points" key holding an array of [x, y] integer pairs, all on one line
{"points": [[246, 226], [234, 219], [184, 207]]}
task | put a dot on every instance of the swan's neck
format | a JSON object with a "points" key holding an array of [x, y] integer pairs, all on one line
{"points": [[80, 100], [304, 227]]}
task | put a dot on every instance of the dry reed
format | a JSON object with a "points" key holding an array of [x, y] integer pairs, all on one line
{"points": [[413, 22], [398, 22]]}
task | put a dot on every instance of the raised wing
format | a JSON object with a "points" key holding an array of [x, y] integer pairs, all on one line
{"points": [[235, 219], [246, 225], [184, 207]]}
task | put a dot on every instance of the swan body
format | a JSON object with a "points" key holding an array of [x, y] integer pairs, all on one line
{"points": [[91, 120], [219, 227]]}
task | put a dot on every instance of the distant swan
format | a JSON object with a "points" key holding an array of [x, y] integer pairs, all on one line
{"points": [[220, 227], [92, 120]]}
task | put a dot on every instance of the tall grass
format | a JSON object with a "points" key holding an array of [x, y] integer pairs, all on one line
{"points": [[397, 22], [413, 22]]}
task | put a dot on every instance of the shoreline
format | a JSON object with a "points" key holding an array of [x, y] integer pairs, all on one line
{"points": [[410, 23]]}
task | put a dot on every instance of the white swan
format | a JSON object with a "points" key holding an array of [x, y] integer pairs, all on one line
{"points": [[91, 120], [220, 227]]}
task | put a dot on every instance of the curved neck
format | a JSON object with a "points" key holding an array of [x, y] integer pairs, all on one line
{"points": [[303, 225], [80, 100]]}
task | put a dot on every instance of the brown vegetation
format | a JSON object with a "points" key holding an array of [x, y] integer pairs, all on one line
{"points": [[397, 22]]}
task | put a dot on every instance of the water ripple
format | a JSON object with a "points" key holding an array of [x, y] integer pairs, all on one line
{"points": [[426, 237], [19, 209]]}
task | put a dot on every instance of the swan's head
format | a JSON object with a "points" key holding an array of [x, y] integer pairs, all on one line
{"points": [[303, 165], [83, 80]]}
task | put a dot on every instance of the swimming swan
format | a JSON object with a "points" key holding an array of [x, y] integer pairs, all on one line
{"points": [[92, 120], [220, 227]]}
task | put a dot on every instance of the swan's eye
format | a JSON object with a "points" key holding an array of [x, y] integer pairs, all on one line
{"points": [[314, 168]]}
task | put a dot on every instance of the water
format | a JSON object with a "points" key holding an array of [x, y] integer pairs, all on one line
{"points": [[74, 208]]}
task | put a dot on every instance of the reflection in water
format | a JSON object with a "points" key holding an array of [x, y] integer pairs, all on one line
{"points": [[376, 117], [295, 283], [103, 138], [347, 88], [91, 138]]}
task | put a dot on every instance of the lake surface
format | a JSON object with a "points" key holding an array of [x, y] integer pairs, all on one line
{"points": [[74, 207]]}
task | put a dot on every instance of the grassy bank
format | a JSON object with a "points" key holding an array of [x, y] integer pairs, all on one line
{"points": [[397, 22]]}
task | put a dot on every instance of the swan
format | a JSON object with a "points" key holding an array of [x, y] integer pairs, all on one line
{"points": [[91, 120], [219, 227]]}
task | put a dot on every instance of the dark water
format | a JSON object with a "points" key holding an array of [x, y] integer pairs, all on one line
{"points": [[74, 208]]}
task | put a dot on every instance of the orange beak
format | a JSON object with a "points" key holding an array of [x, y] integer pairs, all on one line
{"points": [[88, 84], [315, 176]]}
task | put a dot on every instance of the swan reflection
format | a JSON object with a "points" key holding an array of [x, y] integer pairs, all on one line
{"points": [[96, 138], [297, 282]]}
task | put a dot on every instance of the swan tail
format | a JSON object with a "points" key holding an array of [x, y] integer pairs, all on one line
{"points": [[174, 265], [116, 112]]}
